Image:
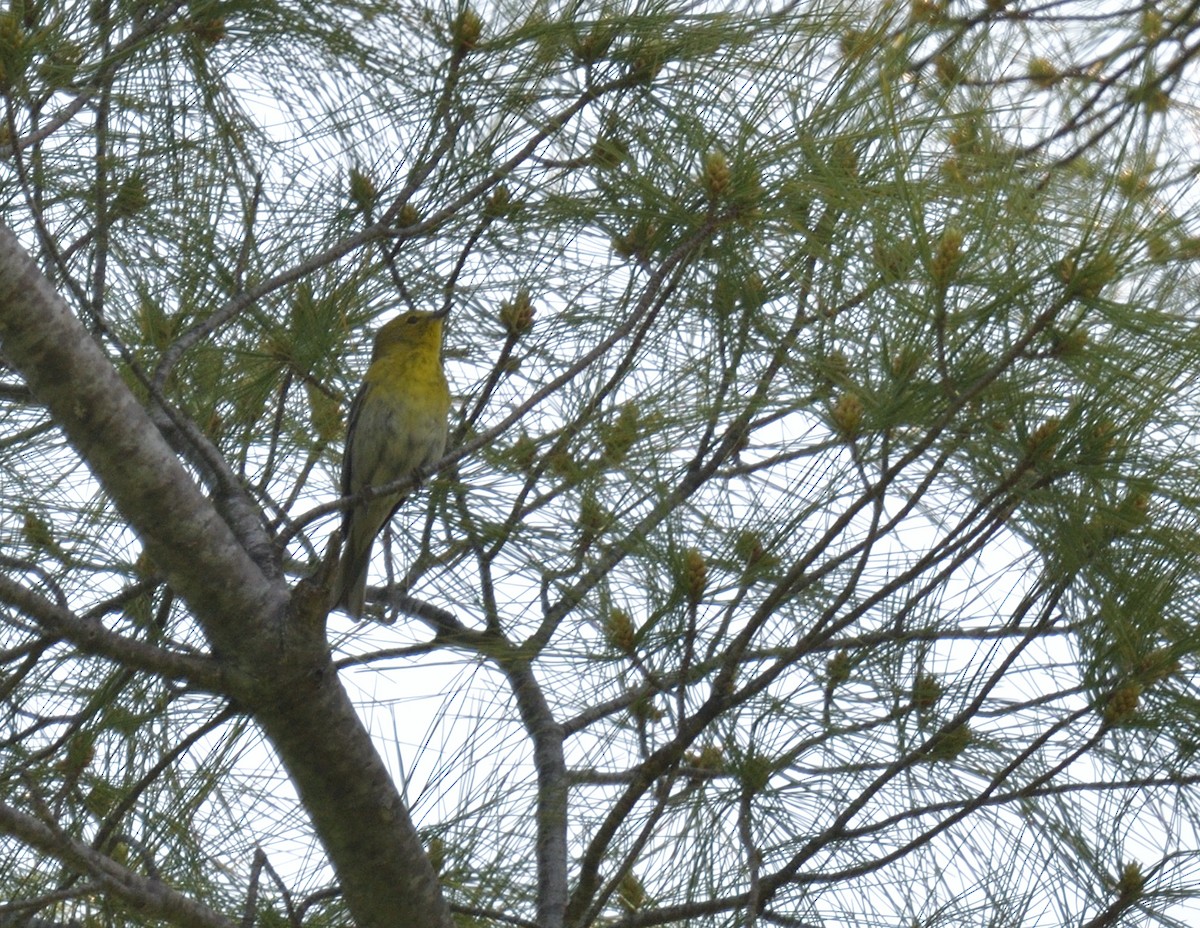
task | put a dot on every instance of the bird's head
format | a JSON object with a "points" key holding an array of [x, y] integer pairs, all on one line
{"points": [[413, 330]]}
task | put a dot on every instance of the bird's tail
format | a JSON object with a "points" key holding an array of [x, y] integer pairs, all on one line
{"points": [[350, 580]]}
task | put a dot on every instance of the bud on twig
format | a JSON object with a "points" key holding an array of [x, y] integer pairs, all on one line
{"points": [[516, 315], [468, 27], [695, 575]]}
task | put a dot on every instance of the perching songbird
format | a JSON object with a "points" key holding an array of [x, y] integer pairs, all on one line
{"points": [[398, 426]]}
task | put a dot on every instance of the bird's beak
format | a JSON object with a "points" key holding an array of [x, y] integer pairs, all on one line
{"points": [[442, 313]]}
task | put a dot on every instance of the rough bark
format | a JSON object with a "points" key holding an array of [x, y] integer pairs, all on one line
{"points": [[274, 663]]}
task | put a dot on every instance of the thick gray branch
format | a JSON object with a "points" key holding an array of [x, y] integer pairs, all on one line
{"points": [[69, 373], [386, 876], [275, 661]]}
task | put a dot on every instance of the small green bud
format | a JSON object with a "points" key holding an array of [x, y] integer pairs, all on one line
{"points": [[516, 315], [837, 668], [468, 28], [1042, 73], [695, 575], [716, 174], [1132, 884], [619, 437], [1123, 704], [847, 414], [619, 631], [949, 744], [362, 190], [947, 257], [131, 197]]}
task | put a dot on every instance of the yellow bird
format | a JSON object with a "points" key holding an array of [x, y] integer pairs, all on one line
{"points": [[398, 426]]}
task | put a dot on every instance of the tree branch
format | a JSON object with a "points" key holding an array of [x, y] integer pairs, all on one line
{"points": [[186, 537], [143, 895], [91, 637]]}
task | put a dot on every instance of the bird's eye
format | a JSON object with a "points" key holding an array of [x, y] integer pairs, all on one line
{"points": [[413, 320]]}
